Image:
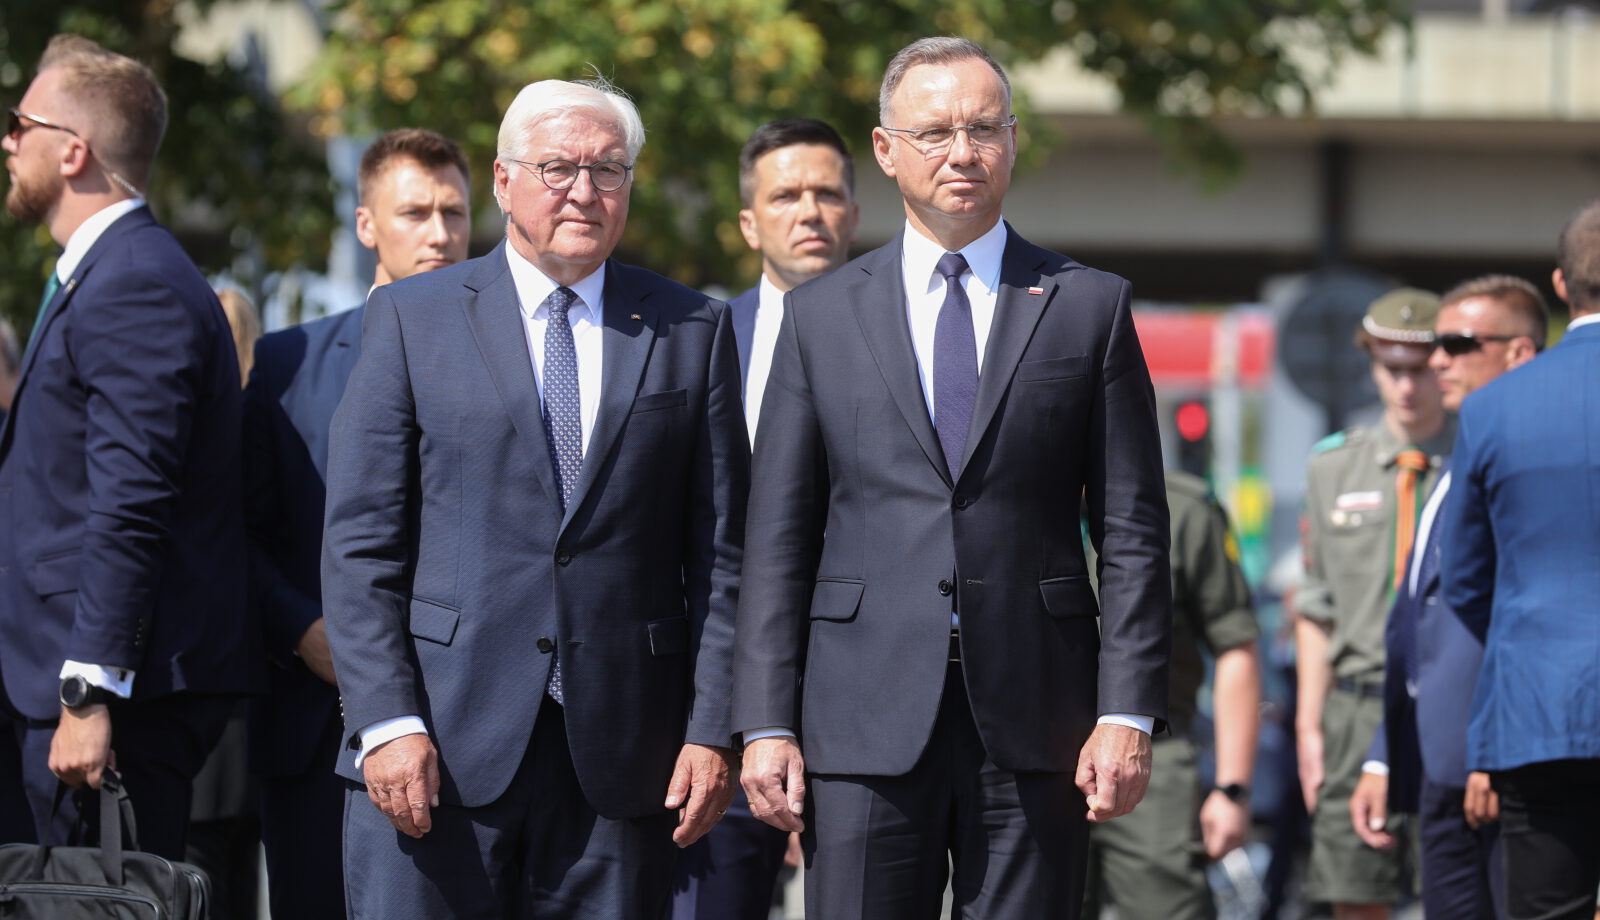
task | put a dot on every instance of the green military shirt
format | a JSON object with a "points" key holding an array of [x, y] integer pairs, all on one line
{"points": [[1210, 599], [1348, 532]]}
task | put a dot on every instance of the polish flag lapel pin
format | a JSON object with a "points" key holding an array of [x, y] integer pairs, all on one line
{"points": [[1036, 290]]}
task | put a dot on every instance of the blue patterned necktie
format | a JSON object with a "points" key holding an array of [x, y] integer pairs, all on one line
{"points": [[955, 364], [563, 418]]}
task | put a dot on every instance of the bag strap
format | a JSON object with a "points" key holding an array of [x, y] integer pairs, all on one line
{"points": [[116, 816]]}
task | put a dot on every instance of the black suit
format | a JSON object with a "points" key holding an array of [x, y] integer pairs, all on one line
{"points": [[121, 543], [295, 729], [859, 543], [451, 574]]}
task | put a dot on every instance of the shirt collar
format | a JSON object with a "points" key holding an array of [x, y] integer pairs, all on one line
{"points": [[984, 254], [533, 286], [1584, 320], [1437, 447], [768, 295], [89, 232]]}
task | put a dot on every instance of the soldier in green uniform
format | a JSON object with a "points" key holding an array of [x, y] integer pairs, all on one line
{"points": [[1365, 488], [1151, 863]]}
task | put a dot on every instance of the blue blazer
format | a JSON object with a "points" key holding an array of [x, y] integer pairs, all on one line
{"points": [[298, 378], [1428, 646], [744, 309], [451, 572], [120, 534], [1520, 552]]}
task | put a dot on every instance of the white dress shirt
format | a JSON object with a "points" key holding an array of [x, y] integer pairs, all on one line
{"points": [[117, 680], [1583, 321], [586, 317], [925, 290], [763, 341]]}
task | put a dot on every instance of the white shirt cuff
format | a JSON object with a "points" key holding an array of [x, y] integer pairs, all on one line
{"points": [[759, 733], [389, 729], [117, 680], [1146, 724], [1375, 766]]}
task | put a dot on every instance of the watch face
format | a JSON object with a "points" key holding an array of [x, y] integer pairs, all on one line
{"points": [[73, 691]]}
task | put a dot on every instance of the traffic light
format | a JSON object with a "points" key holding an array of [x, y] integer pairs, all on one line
{"points": [[1192, 420]]}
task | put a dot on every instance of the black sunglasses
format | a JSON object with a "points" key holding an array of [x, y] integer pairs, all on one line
{"points": [[15, 126], [1456, 344]]}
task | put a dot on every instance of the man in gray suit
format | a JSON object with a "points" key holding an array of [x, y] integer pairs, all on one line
{"points": [[536, 487], [916, 613]]}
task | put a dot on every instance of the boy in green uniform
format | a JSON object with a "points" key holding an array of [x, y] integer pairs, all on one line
{"points": [[1365, 488]]}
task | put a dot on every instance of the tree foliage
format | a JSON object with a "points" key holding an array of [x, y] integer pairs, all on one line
{"points": [[246, 191], [706, 73]]}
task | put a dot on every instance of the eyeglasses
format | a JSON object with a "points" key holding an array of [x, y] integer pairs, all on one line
{"points": [[1456, 344], [15, 129], [938, 137], [607, 175]]}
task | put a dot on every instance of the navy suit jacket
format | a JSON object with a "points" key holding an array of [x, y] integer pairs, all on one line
{"points": [[859, 540], [298, 378], [744, 309], [1427, 645], [1519, 556], [451, 572], [121, 542]]}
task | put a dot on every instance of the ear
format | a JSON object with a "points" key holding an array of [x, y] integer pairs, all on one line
{"points": [[502, 178], [364, 228], [747, 227], [881, 141], [1520, 351], [1559, 282], [74, 158]]}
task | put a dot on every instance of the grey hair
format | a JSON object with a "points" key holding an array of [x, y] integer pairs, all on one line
{"points": [[945, 49], [547, 98]]}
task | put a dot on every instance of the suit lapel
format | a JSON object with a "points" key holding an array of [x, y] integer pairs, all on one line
{"points": [[627, 333], [1016, 313], [881, 312], [496, 322]]}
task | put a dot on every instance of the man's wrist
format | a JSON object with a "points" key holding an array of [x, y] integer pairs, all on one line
{"points": [[1375, 767], [1237, 793], [380, 733], [1146, 724], [759, 734]]}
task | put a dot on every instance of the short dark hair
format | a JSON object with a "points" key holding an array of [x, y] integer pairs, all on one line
{"points": [[935, 50], [123, 104], [1578, 257], [787, 132], [429, 148], [1526, 304]]}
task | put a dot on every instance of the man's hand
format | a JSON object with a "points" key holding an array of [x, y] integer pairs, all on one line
{"points": [[1224, 824], [1481, 803], [1308, 750], [403, 781], [700, 789], [774, 779], [313, 650], [1369, 811], [81, 747], [1114, 770]]}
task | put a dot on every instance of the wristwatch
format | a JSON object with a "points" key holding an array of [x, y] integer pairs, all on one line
{"points": [[1235, 792], [77, 692]]}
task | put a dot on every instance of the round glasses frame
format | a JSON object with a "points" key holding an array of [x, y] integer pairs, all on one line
{"points": [[558, 175]]}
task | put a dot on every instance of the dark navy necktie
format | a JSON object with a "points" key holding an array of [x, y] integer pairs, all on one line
{"points": [[563, 418], [955, 364]]}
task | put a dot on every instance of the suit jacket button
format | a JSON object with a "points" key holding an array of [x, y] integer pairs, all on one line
{"points": [[945, 587], [563, 558], [544, 644], [962, 501]]}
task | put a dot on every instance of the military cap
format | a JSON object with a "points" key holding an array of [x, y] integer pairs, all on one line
{"points": [[1400, 321]]}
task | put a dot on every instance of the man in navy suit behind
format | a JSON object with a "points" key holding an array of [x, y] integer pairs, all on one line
{"points": [[123, 624], [536, 487], [798, 185], [415, 215], [1518, 566]]}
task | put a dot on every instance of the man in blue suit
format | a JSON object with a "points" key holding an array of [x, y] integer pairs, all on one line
{"points": [[1518, 566], [536, 487], [1417, 763], [123, 625], [414, 214], [798, 185]]}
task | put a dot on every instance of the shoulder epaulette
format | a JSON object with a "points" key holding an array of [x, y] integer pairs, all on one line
{"points": [[1336, 440]]}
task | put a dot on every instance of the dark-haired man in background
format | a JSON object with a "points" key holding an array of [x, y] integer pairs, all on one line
{"points": [[798, 185], [414, 190]]}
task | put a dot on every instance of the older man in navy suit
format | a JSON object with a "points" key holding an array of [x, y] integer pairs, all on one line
{"points": [[798, 185], [536, 487], [1417, 764], [123, 624], [415, 216], [1518, 566]]}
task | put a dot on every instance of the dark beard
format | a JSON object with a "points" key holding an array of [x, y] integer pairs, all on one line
{"points": [[30, 203]]}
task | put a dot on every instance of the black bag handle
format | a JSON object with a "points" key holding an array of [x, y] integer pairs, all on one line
{"points": [[116, 817]]}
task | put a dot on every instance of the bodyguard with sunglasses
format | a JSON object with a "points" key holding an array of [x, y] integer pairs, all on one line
{"points": [[122, 619]]}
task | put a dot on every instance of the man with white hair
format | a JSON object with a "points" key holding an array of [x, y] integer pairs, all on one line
{"points": [[536, 492]]}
